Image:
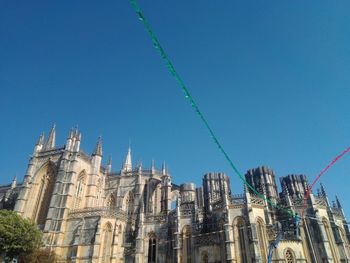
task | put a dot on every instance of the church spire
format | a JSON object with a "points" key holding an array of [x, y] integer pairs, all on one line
{"points": [[127, 166], [98, 147], [50, 143]]}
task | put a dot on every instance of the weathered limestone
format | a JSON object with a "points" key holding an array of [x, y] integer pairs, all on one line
{"points": [[89, 213]]}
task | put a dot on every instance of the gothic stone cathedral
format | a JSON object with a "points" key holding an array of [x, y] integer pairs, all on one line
{"points": [[89, 213]]}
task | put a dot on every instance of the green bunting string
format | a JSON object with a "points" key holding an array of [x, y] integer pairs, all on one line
{"points": [[190, 99]]}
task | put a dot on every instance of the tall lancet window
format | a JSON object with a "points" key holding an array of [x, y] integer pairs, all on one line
{"points": [[79, 190], [241, 241], [205, 257], [107, 243], [330, 238], [152, 248], [129, 203], [43, 186], [262, 239], [186, 245]]}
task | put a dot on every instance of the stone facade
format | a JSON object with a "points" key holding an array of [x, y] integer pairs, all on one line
{"points": [[88, 213]]}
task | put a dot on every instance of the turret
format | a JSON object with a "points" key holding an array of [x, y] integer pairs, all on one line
{"points": [[295, 184], [188, 192], [285, 193], [127, 166], [50, 143], [216, 187], [263, 179]]}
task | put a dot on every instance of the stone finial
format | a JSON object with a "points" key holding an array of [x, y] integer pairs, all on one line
{"points": [[50, 143], [14, 182], [98, 147], [153, 169], [71, 134], [127, 166], [337, 202], [139, 167], [78, 135], [109, 165], [323, 190], [163, 169], [41, 139]]}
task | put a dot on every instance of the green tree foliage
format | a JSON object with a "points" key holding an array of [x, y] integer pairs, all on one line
{"points": [[17, 235]]}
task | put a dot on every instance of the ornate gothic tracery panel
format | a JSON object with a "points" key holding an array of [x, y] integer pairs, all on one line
{"points": [[330, 238], [128, 204], [110, 203], [289, 256], [43, 189], [107, 243], [262, 239], [186, 245], [80, 190], [241, 240]]}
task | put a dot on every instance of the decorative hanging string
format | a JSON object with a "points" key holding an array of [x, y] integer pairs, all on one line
{"points": [[307, 195], [188, 96]]}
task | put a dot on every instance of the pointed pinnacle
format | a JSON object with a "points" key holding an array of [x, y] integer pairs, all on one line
{"points": [[98, 147]]}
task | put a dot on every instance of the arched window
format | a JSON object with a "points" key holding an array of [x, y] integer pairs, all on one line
{"points": [[44, 185], [205, 257], [262, 239], [152, 248], [79, 190], [107, 243], [129, 203], [289, 256], [330, 238], [155, 202], [240, 241], [186, 244], [73, 249]]}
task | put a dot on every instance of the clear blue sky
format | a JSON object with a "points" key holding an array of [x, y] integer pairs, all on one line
{"points": [[272, 77]]}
